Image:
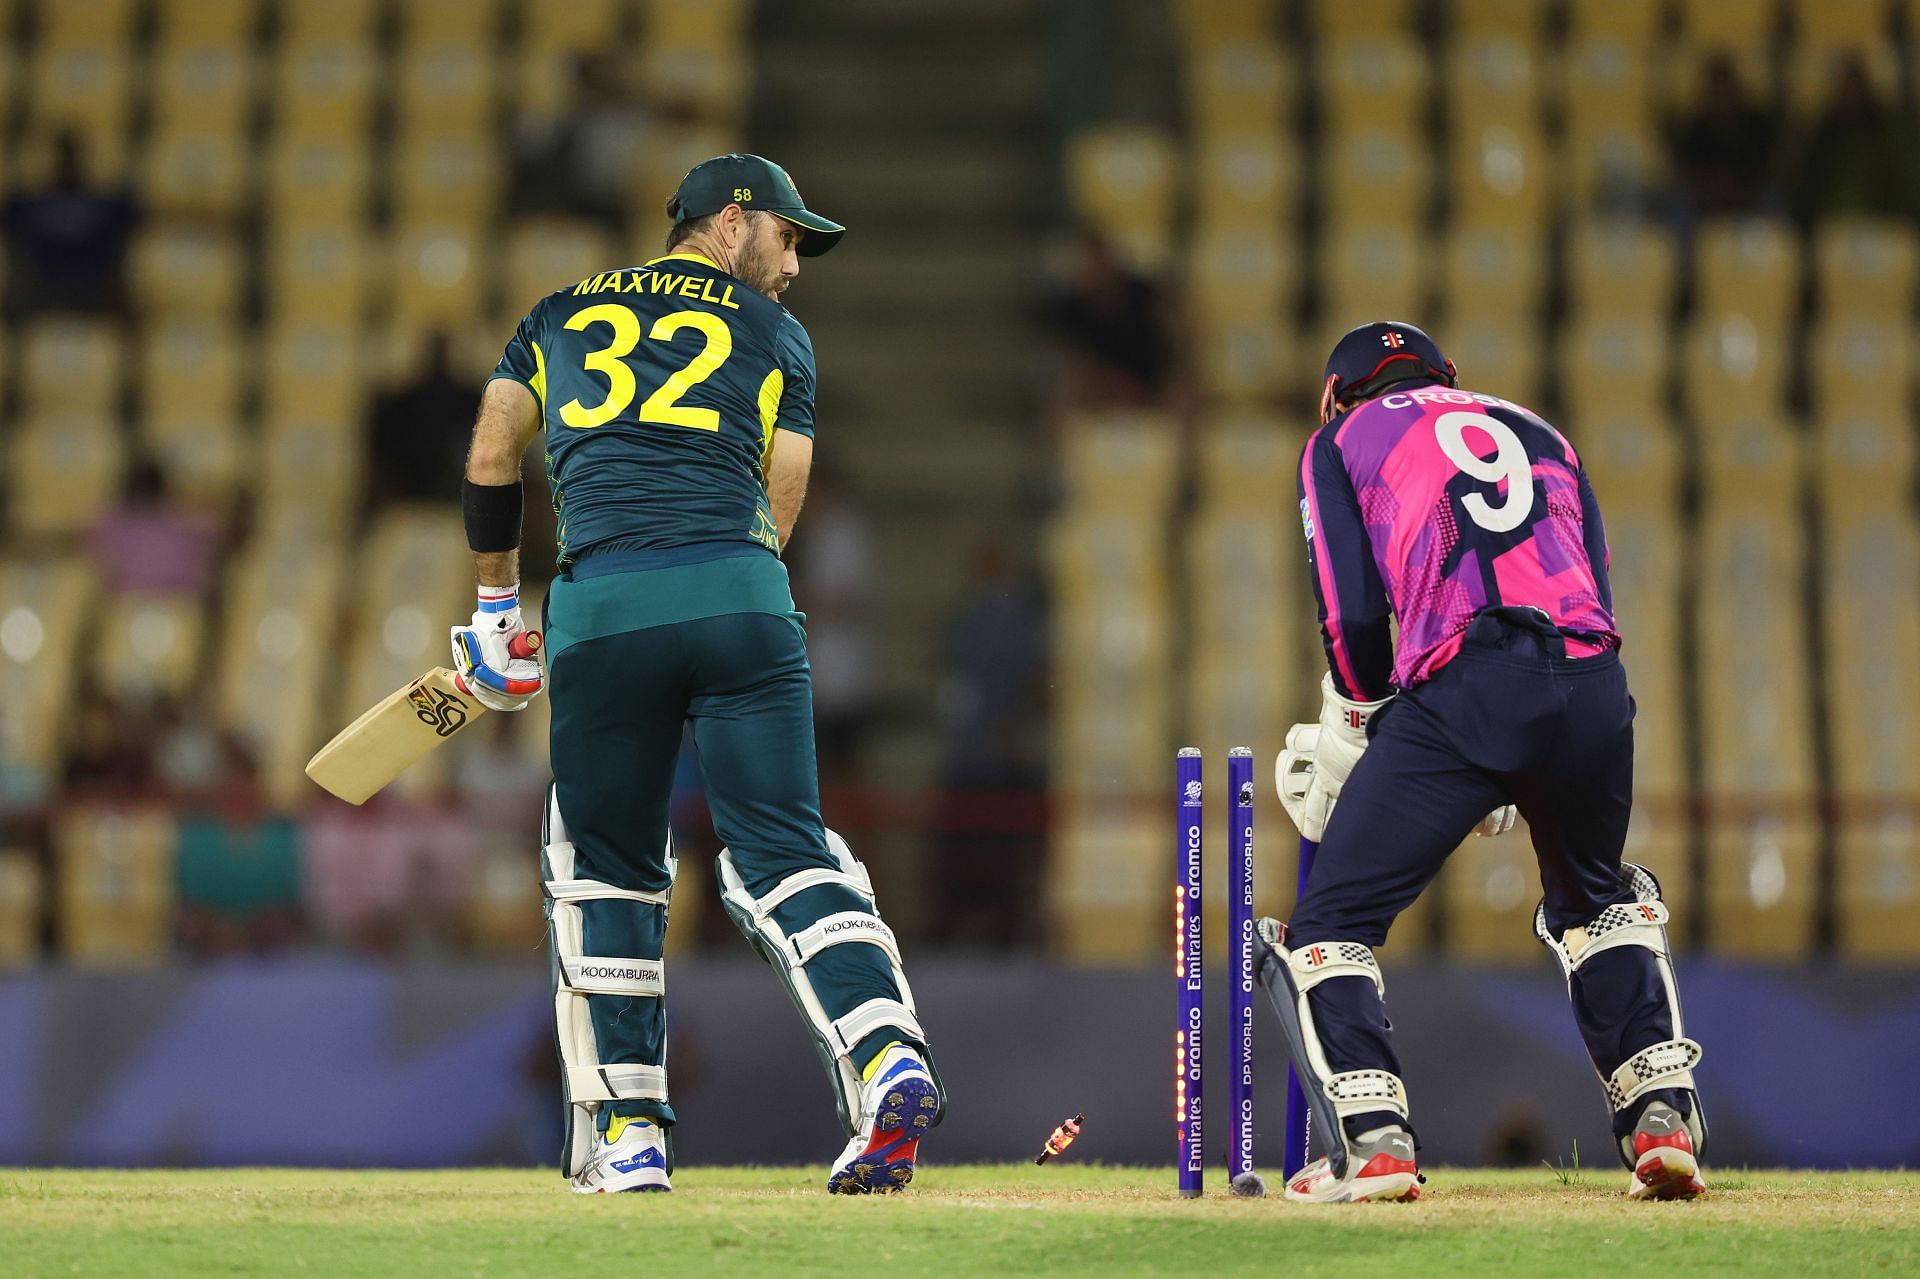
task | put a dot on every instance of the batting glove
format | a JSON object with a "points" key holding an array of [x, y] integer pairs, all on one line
{"points": [[494, 654], [1310, 772]]}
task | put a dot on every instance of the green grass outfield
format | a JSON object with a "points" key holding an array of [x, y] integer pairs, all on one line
{"points": [[1008, 1221]]}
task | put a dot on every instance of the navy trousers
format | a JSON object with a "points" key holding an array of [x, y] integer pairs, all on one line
{"points": [[1511, 719]]}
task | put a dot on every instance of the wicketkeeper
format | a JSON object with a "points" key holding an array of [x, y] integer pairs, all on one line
{"points": [[677, 398], [1469, 521]]}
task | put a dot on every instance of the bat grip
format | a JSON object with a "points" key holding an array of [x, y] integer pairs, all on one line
{"points": [[525, 644]]}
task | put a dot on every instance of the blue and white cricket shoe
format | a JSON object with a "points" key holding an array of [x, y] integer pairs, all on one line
{"points": [[636, 1159], [898, 1105]]}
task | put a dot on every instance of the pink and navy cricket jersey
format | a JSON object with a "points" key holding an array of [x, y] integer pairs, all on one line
{"points": [[1429, 504]]}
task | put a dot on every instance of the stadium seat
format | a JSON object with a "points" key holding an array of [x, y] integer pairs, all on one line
{"points": [[1499, 356], [149, 646], [1762, 886], [1369, 271], [1612, 362], [1752, 459], [1633, 22], [1750, 24], [472, 23], [446, 88], [502, 914], [1247, 358], [1630, 452], [1492, 78], [1235, 272], [1375, 175], [1247, 179], [1240, 88], [1501, 176], [1373, 80], [197, 175], [320, 275], [1870, 617], [719, 25], [1517, 20], [1343, 20], [22, 894], [1492, 274], [1748, 267], [62, 473], [1245, 582], [188, 270], [544, 254], [1205, 23], [580, 24], [450, 178], [232, 23], [115, 878], [1246, 459], [1816, 64], [657, 176], [314, 374], [1877, 887], [71, 365], [1863, 455], [86, 89], [1733, 369], [310, 471], [1610, 162], [1108, 876], [283, 596], [1121, 462], [1861, 22], [192, 366], [1861, 364], [325, 89], [434, 272], [1648, 571], [207, 459], [1621, 268], [1487, 893], [708, 83], [1122, 180], [65, 24], [47, 618], [310, 22], [205, 89], [1867, 268], [318, 185]]}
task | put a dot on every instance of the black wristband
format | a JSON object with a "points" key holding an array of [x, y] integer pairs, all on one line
{"points": [[492, 513]]}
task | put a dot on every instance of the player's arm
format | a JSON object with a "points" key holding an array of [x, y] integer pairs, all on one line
{"points": [[788, 467], [1593, 531]]}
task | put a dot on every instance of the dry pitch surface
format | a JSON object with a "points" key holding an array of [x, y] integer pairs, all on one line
{"points": [[1005, 1220]]}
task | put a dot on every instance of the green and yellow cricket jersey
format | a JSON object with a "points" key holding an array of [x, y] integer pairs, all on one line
{"points": [[660, 388]]}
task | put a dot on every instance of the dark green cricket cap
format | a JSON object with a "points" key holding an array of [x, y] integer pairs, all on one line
{"points": [[755, 183]]}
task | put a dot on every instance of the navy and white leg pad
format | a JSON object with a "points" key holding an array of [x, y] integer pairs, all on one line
{"points": [[1670, 1063], [1287, 975], [803, 915], [590, 1083]]}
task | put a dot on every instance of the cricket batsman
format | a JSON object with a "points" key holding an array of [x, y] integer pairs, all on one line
{"points": [[1469, 522], [677, 398]]}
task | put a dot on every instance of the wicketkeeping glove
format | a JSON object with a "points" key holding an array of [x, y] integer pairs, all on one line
{"points": [[1311, 770], [495, 653]]}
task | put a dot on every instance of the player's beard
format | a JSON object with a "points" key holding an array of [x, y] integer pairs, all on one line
{"points": [[759, 270]]}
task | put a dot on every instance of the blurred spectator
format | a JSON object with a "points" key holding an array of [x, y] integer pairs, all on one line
{"points": [[833, 576], [1111, 321], [390, 874], [499, 776], [582, 161], [67, 241], [147, 544], [1726, 152], [992, 830], [238, 868], [113, 748], [419, 431], [1858, 156]]}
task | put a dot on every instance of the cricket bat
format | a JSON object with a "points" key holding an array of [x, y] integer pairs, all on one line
{"points": [[406, 724]]}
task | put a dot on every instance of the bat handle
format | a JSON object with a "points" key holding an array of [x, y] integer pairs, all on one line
{"points": [[525, 644]]}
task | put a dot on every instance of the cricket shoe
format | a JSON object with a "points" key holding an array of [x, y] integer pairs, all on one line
{"points": [[1664, 1163], [898, 1105], [1380, 1168], [635, 1159]]}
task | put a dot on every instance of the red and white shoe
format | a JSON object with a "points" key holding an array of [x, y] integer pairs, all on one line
{"points": [[1664, 1163], [1380, 1169]]}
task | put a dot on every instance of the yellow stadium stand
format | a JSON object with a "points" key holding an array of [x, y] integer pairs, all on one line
{"points": [[311, 22], [310, 472], [1867, 268], [64, 24], [325, 89], [1500, 357], [1239, 88], [316, 185], [696, 24], [1870, 615], [205, 89], [502, 915], [580, 24], [319, 274], [46, 607], [1861, 22], [1246, 592], [62, 474], [1369, 271], [1205, 23], [1877, 887], [1491, 273], [1748, 267], [1344, 20], [193, 367], [1377, 175], [1862, 364], [222, 22], [1630, 452], [1762, 884], [709, 82], [1501, 176], [1634, 22], [1246, 178], [1122, 461], [72, 365], [1374, 81], [1235, 272], [21, 901], [1245, 459], [1609, 361], [544, 254], [553, 38], [1754, 459], [207, 459], [1734, 369], [1818, 63], [1517, 20], [193, 174], [434, 274], [1487, 891], [1492, 78], [149, 645], [1110, 882], [283, 599], [1121, 180], [116, 892], [446, 87], [1611, 150], [448, 178], [657, 176], [1862, 455], [314, 374], [188, 270], [1648, 567], [1246, 358], [472, 23], [1744, 25], [86, 89]]}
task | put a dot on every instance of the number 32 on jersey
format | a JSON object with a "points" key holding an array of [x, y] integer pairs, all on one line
{"points": [[663, 406]]}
